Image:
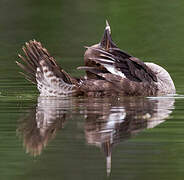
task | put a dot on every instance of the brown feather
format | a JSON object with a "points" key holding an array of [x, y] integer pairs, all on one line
{"points": [[35, 54]]}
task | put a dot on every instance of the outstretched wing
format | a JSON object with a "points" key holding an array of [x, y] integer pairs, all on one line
{"points": [[120, 63], [42, 69]]}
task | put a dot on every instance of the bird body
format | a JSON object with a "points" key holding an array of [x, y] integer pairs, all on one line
{"points": [[109, 71]]}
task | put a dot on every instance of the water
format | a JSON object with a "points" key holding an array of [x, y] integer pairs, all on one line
{"points": [[85, 138]]}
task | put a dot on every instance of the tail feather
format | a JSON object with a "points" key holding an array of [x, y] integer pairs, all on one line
{"points": [[43, 70]]}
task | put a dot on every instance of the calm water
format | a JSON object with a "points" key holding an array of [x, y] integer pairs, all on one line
{"points": [[85, 138]]}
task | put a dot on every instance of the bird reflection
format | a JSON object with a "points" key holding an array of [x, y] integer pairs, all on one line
{"points": [[122, 119], [107, 121], [42, 123]]}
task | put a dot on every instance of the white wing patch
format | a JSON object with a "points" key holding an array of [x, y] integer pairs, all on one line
{"points": [[113, 70], [109, 65]]}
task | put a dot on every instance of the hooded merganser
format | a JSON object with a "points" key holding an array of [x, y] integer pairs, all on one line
{"points": [[109, 71]]}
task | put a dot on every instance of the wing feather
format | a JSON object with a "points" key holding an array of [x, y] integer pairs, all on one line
{"points": [[121, 63], [43, 70]]}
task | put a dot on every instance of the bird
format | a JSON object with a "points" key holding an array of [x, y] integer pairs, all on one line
{"points": [[110, 71]]}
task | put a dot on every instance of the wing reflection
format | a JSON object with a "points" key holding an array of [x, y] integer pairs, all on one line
{"points": [[42, 123], [107, 121], [123, 119]]}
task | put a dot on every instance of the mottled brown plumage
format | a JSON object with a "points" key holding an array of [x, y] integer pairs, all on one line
{"points": [[109, 71]]}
